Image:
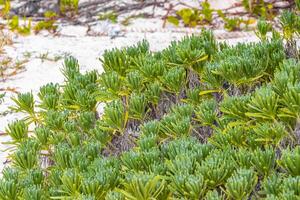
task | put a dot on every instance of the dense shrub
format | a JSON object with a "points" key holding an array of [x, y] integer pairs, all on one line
{"points": [[198, 120]]}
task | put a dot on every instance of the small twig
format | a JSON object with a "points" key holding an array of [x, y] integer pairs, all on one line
{"points": [[9, 89], [3, 134], [167, 14], [187, 5], [153, 9], [89, 4]]}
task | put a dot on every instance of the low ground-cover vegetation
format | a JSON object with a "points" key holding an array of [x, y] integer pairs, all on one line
{"points": [[198, 120], [232, 20]]}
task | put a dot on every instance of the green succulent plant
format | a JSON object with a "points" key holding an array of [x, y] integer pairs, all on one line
{"points": [[291, 102], [49, 95], [18, 131], [35, 193], [235, 107], [272, 185], [121, 60], [147, 142], [263, 104], [217, 168], [290, 24], [291, 185], [42, 134], [188, 186], [100, 135], [114, 195], [237, 136], [192, 51], [151, 68], [263, 27], [243, 158], [239, 70], [25, 103], [71, 184], [62, 156], [137, 106], [132, 160], [212, 80], [153, 93], [264, 161], [135, 81], [143, 186], [193, 96], [206, 112], [181, 165], [290, 161], [71, 68], [115, 116], [174, 79], [150, 128], [25, 159], [9, 190], [187, 147], [269, 133], [93, 188], [173, 126], [213, 195], [285, 76], [241, 64], [241, 184], [112, 82]]}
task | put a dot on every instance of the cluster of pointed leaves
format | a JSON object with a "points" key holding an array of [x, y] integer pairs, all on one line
{"points": [[198, 120]]}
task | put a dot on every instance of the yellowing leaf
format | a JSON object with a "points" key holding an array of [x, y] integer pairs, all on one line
{"points": [[173, 20], [208, 92]]}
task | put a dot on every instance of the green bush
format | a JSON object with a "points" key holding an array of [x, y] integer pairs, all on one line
{"points": [[198, 120]]}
